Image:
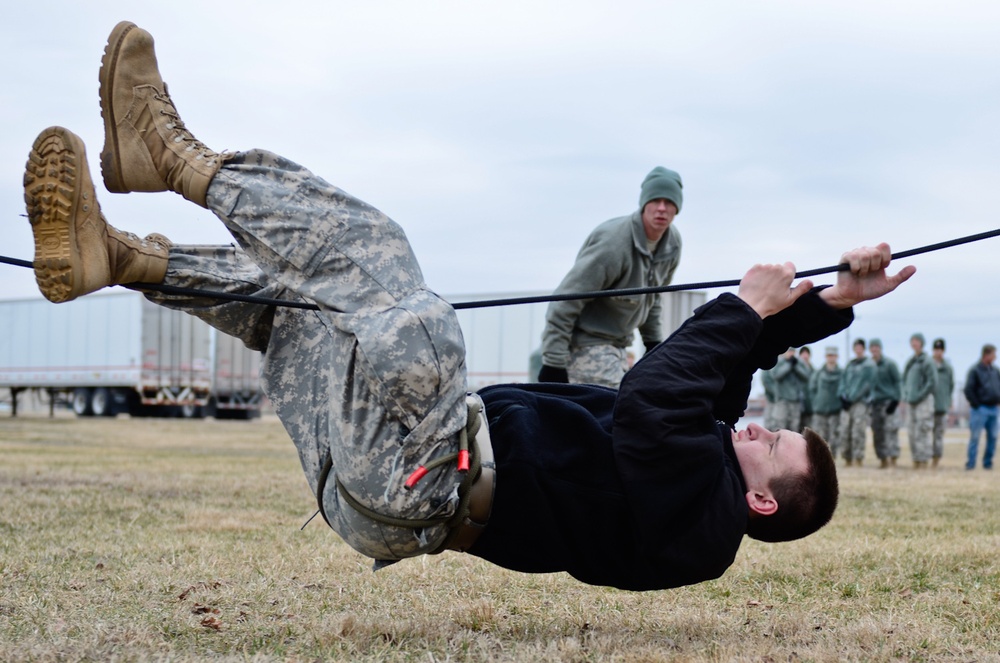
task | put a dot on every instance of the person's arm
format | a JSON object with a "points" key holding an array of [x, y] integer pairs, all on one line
{"points": [[970, 388], [593, 270], [651, 330]]}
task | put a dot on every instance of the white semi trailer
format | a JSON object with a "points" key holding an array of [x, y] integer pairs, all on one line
{"points": [[117, 352]]}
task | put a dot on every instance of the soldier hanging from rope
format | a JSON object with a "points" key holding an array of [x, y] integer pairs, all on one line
{"points": [[646, 487]]}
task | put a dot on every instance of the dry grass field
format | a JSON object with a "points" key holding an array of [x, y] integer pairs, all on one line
{"points": [[180, 540]]}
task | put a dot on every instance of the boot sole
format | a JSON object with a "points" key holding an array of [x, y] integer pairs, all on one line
{"points": [[52, 196], [110, 164]]}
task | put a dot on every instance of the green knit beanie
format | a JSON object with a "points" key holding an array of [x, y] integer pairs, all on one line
{"points": [[661, 183]]}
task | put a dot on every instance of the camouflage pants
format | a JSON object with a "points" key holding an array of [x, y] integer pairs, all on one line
{"points": [[787, 415], [940, 423], [854, 429], [597, 364], [828, 426], [885, 431], [375, 380], [920, 424]]}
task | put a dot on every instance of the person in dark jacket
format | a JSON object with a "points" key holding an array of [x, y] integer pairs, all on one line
{"points": [[651, 487], [982, 390], [647, 487]]}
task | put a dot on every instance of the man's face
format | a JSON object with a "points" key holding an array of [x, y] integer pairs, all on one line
{"points": [[876, 351], [917, 345], [657, 216], [764, 455], [938, 354], [859, 350], [989, 357], [831, 360]]}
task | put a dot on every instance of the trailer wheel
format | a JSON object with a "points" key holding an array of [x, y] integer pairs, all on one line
{"points": [[191, 411], [81, 402], [101, 404]]}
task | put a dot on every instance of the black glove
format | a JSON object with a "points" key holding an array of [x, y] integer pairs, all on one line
{"points": [[891, 407], [844, 403], [552, 374], [792, 360]]}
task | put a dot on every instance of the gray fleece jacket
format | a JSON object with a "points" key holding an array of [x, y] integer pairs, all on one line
{"points": [[615, 256]]}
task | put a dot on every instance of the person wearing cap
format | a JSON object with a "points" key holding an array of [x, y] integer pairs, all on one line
{"points": [[805, 358], [919, 381], [791, 378], [855, 397], [982, 390], [823, 385], [585, 340], [942, 398], [885, 401]]}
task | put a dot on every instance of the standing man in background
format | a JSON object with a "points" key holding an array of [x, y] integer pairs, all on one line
{"points": [[823, 386], [982, 390], [791, 378], [942, 398], [885, 400], [805, 358], [919, 380], [585, 340], [856, 387]]}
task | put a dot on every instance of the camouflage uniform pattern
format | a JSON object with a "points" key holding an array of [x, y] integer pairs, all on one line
{"points": [[823, 385], [920, 424], [787, 415], [598, 364], [885, 430], [853, 429], [828, 427], [375, 381]]}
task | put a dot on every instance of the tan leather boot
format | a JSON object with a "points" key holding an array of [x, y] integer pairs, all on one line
{"points": [[76, 251], [146, 145]]}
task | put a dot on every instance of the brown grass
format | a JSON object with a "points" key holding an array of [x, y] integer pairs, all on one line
{"points": [[179, 540]]}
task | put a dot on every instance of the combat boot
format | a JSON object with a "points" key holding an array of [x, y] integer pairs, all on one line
{"points": [[146, 145], [76, 251]]}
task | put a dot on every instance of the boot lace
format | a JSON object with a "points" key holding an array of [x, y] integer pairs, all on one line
{"points": [[183, 135]]}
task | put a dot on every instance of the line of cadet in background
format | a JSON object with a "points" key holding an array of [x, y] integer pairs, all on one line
{"points": [[842, 403]]}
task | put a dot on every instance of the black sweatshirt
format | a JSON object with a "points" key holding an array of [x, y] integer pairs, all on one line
{"points": [[639, 488]]}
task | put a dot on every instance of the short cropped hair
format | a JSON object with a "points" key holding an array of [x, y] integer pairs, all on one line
{"points": [[806, 502], [859, 341], [989, 348]]}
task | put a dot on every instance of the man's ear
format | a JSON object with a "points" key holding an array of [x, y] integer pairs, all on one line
{"points": [[762, 504]]}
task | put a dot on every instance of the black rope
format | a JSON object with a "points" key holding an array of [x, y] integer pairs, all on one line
{"points": [[486, 303]]}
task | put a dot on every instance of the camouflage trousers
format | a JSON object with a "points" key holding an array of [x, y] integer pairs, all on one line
{"points": [[940, 423], [885, 431], [787, 415], [854, 429], [597, 364], [828, 426], [374, 382], [920, 424]]}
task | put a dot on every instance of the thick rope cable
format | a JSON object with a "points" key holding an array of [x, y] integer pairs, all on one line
{"points": [[511, 301]]}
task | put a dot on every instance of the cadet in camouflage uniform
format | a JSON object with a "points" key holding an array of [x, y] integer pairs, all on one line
{"points": [[585, 341], [919, 381], [885, 404], [824, 384], [942, 398], [791, 378], [371, 388], [856, 386], [372, 384]]}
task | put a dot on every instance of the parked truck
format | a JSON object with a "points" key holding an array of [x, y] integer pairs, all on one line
{"points": [[117, 352]]}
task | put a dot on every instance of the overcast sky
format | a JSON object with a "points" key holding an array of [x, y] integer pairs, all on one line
{"points": [[500, 134]]}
